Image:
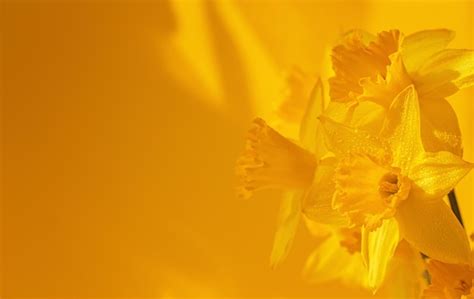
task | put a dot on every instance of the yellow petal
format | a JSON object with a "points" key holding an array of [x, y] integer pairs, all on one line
{"points": [[326, 72], [383, 90], [364, 246], [438, 173], [309, 132], [380, 246], [368, 116], [331, 261], [445, 73], [439, 127], [419, 46], [404, 277], [342, 139], [318, 200], [402, 128], [340, 112], [320, 149], [432, 228], [288, 219], [364, 115]]}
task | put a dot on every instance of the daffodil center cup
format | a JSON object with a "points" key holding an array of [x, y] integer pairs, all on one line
{"points": [[367, 190], [388, 185], [271, 160]]}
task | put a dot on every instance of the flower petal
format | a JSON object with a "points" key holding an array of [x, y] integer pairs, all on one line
{"points": [[368, 116], [432, 228], [336, 111], [383, 90], [405, 274], [330, 261], [380, 246], [445, 73], [421, 45], [318, 200], [440, 127], [342, 139], [402, 128], [438, 173], [288, 219], [309, 124]]}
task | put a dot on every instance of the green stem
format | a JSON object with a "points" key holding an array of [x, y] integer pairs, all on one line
{"points": [[454, 206]]}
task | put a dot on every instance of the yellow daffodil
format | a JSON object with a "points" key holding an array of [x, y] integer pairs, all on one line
{"points": [[378, 68], [271, 160], [391, 187], [288, 163], [391, 153]]}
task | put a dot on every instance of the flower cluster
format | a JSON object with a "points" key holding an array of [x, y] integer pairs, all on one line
{"points": [[374, 159]]}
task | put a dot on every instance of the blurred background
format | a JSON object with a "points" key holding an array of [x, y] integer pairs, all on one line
{"points": [[121, 122]]}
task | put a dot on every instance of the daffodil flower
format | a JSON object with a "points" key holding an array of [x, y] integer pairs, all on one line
{"points": [[378, 68], [383, 185], [271, 160], [393, 189]]}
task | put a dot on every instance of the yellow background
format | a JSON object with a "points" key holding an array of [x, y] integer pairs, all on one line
{"points": [[121, 122]]}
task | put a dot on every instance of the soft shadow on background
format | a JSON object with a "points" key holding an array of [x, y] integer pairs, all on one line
{"points": [[121, 123]]}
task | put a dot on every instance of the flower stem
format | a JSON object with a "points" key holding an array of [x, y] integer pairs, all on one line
{"points": [[454, 206]]}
